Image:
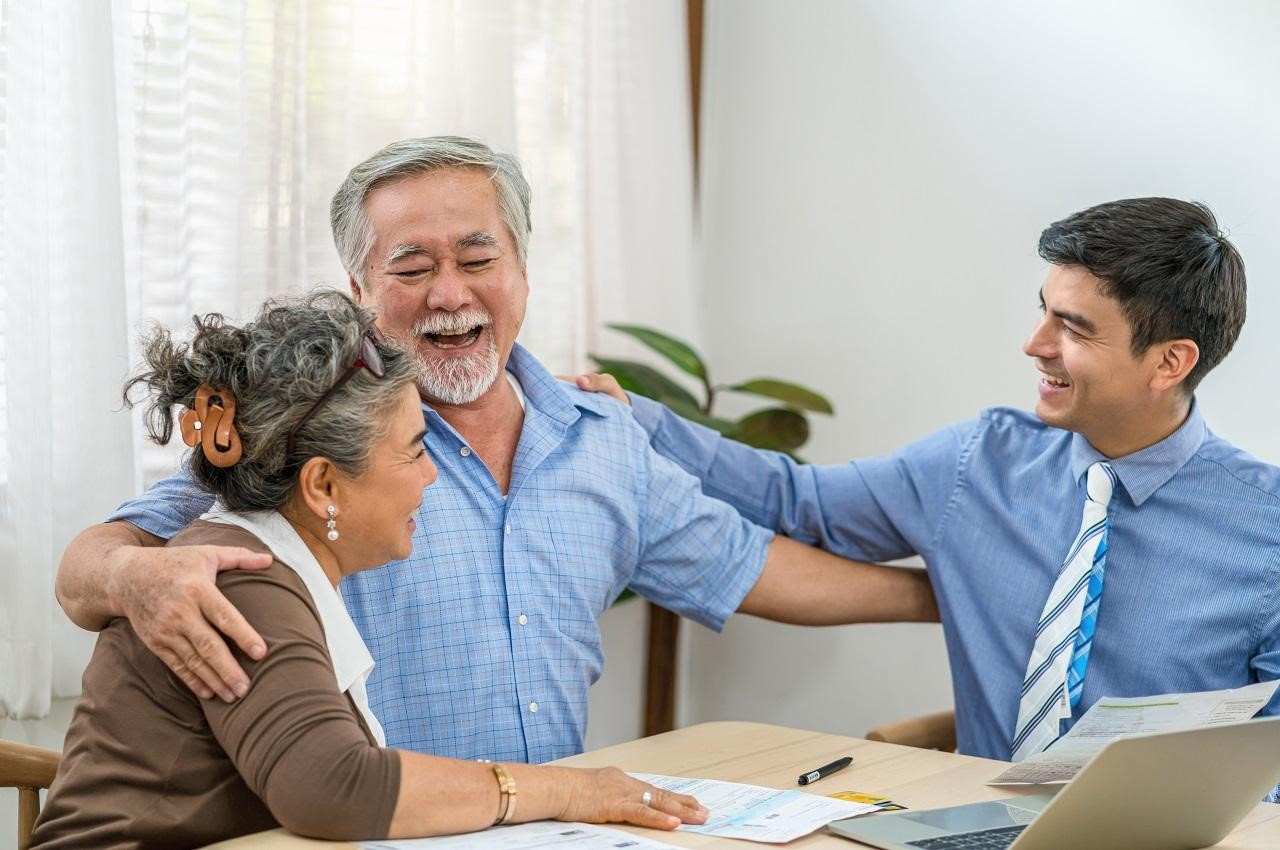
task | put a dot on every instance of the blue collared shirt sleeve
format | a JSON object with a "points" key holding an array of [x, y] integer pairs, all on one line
{"points": [[876, 509], [697, 556], [168, 507], [1266, 663]]}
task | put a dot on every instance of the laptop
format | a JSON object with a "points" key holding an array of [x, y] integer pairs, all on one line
{"points": [[1166, 791]]}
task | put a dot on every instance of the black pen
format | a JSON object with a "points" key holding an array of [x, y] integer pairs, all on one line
{"points": [[825, 771]]}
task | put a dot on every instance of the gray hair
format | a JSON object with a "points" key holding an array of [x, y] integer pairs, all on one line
{"points": [[277, 366], [352, 232]]}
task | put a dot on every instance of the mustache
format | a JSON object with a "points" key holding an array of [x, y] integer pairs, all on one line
{"points": [[457, 322]]}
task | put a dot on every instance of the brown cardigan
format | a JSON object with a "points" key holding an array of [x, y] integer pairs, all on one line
{"points": [[148, 764]]}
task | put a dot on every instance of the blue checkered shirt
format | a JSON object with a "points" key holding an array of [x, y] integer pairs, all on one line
{"points": [[1192, 597], [485, 639]]}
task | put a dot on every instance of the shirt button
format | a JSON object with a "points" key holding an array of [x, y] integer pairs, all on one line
{"points": [[522, 620], [533, 707], [465, 451], [508, 528]]}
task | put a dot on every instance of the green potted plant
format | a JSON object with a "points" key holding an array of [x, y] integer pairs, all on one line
{"points": [[783, 427]]}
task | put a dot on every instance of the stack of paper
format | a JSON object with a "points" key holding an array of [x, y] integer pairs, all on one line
{"points": [[1114, 717]]}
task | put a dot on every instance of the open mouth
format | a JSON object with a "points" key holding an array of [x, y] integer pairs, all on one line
{"points": [[454, 337], [1052, 382]]}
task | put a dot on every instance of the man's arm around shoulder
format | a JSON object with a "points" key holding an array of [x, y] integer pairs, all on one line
{"points": [[168, 595]]}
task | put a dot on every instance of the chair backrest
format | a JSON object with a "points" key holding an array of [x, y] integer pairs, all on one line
{"points": [[28, 769], [930, 732]]}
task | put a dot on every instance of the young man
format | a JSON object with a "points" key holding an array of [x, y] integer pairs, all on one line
{"points": [[1110, 544]]}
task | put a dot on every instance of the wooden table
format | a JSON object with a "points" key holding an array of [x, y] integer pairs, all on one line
{"points": [[774, 756]]}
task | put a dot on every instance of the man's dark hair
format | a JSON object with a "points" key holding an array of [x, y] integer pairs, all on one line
{"points": [[1174, 273]]}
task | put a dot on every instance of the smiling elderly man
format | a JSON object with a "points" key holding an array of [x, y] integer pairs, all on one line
{"points": [[549, 502]]}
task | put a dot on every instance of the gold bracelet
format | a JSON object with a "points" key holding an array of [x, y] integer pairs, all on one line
{"points": [[507, 795]]}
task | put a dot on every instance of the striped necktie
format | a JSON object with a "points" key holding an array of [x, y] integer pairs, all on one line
{"points": [[1064, 635]]}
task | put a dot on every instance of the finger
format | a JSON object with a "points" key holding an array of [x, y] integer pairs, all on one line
{"points": [[642, 815], [211, 660], [191, 680], [190, 662], [239, 558], [691, 811], [682, 806], [227, 619]]}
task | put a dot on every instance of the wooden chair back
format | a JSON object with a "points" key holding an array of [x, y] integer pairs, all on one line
{"points": [[28, 769], [929, 732]]}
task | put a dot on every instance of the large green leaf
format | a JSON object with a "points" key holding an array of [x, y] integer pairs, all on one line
{"points": [[693, 414], [679, 353], [646, 381], [776, 428], [793, 394]]}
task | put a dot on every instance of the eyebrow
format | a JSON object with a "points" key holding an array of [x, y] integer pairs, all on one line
{"points": [[1067, 316], [419, 437], [405, 249], [479, 239]]}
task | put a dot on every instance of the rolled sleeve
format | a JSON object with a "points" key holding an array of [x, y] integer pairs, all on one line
{"points": [[698, 557], [167, 507]]}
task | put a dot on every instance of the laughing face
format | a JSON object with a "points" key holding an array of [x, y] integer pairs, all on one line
{"points": [[1090, 380], [443, 275]]}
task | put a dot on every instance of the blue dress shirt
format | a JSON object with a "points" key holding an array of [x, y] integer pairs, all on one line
{"points": [[1192, 599], [485, 638]]}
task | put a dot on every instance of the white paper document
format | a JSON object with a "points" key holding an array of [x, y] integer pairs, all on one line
{"points": [[1115, 717], [756, 813], [541, 835]]}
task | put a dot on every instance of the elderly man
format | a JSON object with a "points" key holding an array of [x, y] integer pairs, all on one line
{"points": [[1110, 544], [549, 502]]}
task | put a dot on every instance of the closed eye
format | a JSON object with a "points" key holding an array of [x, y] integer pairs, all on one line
{"points": [[478, 264]]}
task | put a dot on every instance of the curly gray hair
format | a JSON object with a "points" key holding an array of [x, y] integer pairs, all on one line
{"points": [[277, 366], [352, 233]]}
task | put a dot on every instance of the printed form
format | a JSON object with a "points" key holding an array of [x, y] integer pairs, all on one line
{"points": [[1115, 717], [756, 813], [541, 835]]}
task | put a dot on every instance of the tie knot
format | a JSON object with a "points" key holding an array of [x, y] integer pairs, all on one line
{"points": [[1100, 484]]}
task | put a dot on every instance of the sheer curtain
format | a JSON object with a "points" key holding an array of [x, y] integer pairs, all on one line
{"points": [[164, 158]]}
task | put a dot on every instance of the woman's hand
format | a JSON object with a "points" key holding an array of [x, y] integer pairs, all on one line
{"points": [[607, 795]]}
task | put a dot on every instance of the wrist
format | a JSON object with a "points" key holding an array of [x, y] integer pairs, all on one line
{"points": [[562, 789], [119, 573]]}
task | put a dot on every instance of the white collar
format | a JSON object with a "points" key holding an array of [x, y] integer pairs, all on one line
{"points": [[515, 385], [352, 662]]}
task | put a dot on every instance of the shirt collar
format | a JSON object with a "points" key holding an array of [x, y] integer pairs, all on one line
{"points": [[352, 662], [544, 392], [1146, 471]]}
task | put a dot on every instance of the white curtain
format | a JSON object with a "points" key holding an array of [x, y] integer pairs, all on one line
{"points": [[166, 158]]}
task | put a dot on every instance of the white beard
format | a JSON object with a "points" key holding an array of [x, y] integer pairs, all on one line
{"points": [[459, 380]]}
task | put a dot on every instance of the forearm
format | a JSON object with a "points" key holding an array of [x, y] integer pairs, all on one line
{"points": [[440, 796], [86, 573], [805, 586]]}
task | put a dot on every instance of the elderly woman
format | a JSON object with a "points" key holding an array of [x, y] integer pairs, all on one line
{"points": [[309, 430]]}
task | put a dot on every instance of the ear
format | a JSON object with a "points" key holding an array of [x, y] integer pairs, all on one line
{"points": [[356, 292], [318, 486], [1176, 359]]}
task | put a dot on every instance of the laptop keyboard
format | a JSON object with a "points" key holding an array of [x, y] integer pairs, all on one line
{"points": [[987, 839]]}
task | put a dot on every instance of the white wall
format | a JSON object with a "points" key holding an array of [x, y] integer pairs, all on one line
{"points": [[875, 176]]}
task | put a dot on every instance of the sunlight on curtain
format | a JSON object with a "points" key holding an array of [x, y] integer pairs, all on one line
{"points": [[160, 158], [66, 456], [246, 117]]}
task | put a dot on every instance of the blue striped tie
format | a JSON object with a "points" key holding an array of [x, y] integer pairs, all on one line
{"points": [[1088, 622], [1064, 634]]}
